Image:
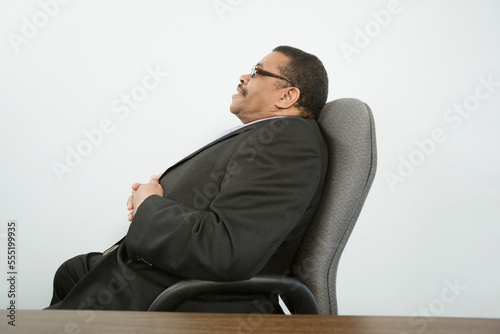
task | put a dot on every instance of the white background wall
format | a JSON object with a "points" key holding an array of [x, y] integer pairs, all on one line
{"points": [[426, 242]]}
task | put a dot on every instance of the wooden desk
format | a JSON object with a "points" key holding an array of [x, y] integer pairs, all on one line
{"points": [[111, 322]]}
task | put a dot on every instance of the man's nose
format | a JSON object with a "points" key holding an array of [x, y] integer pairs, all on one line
{"points": [[244, 79]]}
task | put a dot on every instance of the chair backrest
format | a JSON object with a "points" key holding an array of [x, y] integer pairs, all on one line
{"points": [[348, 127]]}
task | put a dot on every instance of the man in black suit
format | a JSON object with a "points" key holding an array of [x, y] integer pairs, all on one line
{"points": [[233, 209]]}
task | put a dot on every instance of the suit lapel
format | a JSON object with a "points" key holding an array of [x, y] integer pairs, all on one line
{"points": [[218, 140]]}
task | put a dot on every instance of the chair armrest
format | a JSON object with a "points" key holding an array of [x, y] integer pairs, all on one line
{"points": [[296, 295]]}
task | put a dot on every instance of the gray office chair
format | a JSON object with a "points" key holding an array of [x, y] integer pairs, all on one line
{"points": [[349, 130]]}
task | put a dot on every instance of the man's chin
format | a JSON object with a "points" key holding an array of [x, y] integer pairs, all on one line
{"points": [[235, 103], [233, 109]]}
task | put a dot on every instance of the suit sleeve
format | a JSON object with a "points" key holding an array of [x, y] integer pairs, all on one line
{"points": [[267, 186]]}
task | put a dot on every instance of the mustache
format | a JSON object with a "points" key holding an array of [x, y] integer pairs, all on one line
{"points": [[242, 90]]}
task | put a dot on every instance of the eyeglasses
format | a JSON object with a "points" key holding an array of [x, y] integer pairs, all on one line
{"points": [[256, 70]]}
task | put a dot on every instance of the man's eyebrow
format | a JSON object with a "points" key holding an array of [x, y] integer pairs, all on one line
{"points": [[259, 64]]}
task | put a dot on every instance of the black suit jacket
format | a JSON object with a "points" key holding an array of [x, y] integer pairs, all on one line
{"points": [[237, 207]]}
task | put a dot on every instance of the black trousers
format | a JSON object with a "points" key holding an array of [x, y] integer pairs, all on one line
{"points": [[70, 273], [139, 297]]}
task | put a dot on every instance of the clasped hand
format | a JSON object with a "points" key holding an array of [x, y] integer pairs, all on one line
{"points": [[141, 191]]}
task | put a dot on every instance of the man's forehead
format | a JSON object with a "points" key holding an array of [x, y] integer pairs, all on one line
{"points": [[272, 60]]}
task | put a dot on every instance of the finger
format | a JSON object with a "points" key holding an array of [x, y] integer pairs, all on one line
{"points": [[130, 216], [154, 179], [135, 186], [130, 203]]}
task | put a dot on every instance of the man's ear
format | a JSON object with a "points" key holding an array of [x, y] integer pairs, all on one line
{"points": [[288, 98]]}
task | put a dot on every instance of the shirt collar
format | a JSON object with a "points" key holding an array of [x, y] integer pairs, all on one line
{"points": [[246, 124]]}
